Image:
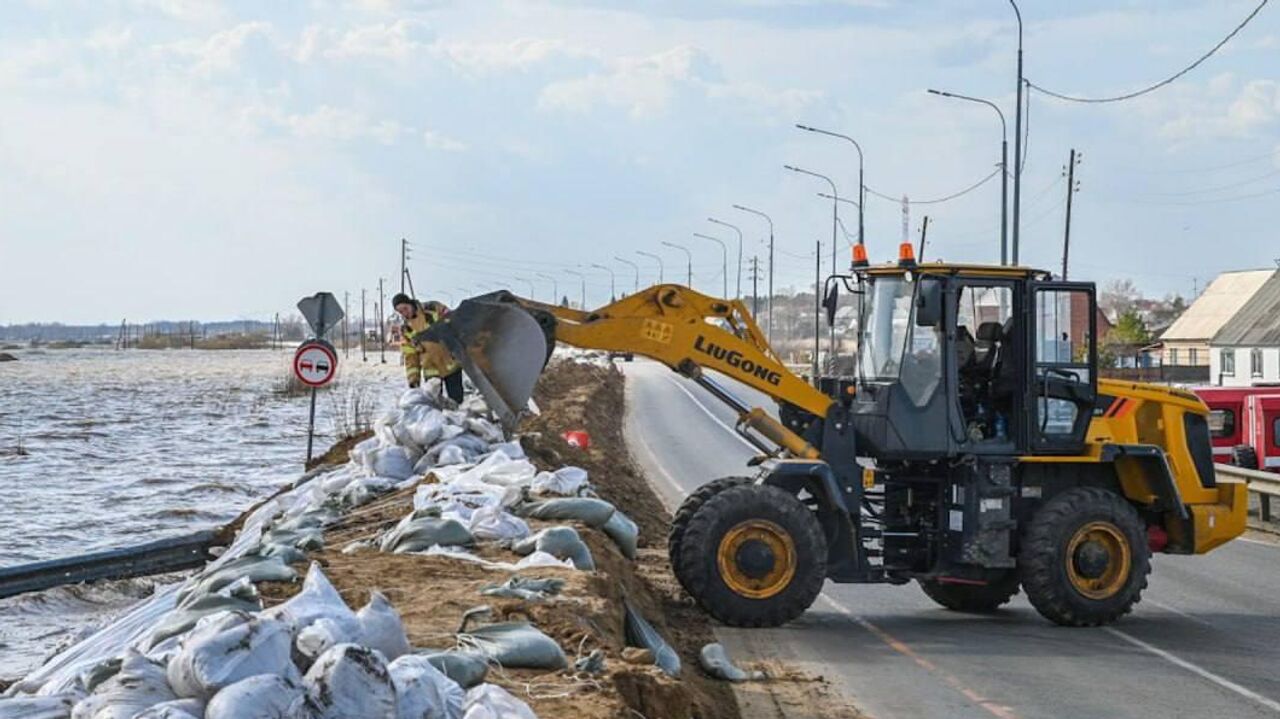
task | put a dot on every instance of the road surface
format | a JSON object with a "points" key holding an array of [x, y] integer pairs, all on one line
{"points": [[1204, 641]]}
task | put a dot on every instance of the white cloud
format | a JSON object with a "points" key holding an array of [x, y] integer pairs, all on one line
{"points": [[436, 141], [397, 41], [221, 51], [324, 123], [1248, 113], [486, 58]]}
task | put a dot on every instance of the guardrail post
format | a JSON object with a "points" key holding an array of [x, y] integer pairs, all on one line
{"points": [[1265, 500]]}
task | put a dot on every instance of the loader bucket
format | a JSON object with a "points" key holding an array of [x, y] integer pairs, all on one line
{"points": [[502, 347]]}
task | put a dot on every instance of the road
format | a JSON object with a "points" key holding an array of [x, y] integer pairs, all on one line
{"points": [[1204, 641]]}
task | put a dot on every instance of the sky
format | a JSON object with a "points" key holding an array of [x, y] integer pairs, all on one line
{"points": [[175, 159]]}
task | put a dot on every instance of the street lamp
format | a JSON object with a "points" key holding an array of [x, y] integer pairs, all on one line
{"points": [[613, 285], [555, 287], [835, 221], [1004, 169], [1017, 143], [739, 231], [724, 259], [688, 254], [862, 187], [656, 258], [769, 326], [529, 282], [583, 298], [635, 267]]}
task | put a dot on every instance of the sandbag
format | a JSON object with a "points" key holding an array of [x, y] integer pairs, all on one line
{"points": [[518, 587], [588, 510], [624, 533], [362, 453], [640, 633], [512, 449], [266, 696], [209, 661], [484, 429], [515, 644], [381, 627], [566, 482], [319, 637], [465, 668], [423, 691], [394, 462], [365, 490], [100, 672], [140, 685], [351, 681], [490, 701], [252, 567], [423, 529], [57, 706], [318, 599], [422, 425], [559, 542], [715, 662], [494, 523], [186, 615], [451, 454], [176, 709]]}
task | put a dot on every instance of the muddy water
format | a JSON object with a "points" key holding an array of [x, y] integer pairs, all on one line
{"points": [[119, 448]]}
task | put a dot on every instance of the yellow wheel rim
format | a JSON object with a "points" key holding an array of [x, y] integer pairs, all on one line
{"points": [[1098, 559], [756, 558]]}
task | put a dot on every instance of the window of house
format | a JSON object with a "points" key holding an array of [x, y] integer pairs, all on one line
{"points": [[1194, 355], [1228, 361], [1255, 362], [1275, 431], [1222, 423], [1173, 355]]}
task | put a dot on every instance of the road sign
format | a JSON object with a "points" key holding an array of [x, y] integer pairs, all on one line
{"points": [[315, 363], [322, 311]]}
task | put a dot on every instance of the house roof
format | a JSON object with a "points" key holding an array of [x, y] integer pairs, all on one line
{"points": [[1215, 307], [1257, 324]]}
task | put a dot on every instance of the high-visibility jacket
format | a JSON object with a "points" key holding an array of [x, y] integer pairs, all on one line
{"points": [[429, 359]]}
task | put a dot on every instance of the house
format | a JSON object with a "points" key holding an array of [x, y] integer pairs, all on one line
{"points": [[1186, 342], [1246, 351]]}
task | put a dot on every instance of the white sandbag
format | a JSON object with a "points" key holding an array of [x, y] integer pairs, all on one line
{"points": [[423, 691], [425, 528], [317, 600], [365, 490], [253, 567], [320, 636], [512, 449], [559, 542], [265, 696], [422, 425], [208, 662], [566, 482], [450, 431], [351, 681], [381, 627], [492, 522], [484, 429], [176, 709], [624, 532], [490, 701], [362, 453], [57, 706], [394, 462], [237, 596], [452, 454], [140, 685]]}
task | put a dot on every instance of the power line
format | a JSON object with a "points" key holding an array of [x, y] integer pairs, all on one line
{"points": [[1162, 83], [952, 196]]}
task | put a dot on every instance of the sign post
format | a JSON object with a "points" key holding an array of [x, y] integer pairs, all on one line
{"points": [[316, 362]]}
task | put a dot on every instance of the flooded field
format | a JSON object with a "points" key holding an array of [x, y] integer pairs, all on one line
{"points": [[101, 449]]}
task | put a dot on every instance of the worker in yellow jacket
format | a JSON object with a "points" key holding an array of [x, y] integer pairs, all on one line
{"points": [[425, 359]]}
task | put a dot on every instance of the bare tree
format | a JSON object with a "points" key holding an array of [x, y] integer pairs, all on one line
{"points": [[1118, 297]]}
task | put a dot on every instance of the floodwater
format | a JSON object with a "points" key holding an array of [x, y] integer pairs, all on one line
{"points": [[101, 449]]}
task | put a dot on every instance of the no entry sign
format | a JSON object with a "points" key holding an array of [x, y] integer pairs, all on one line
{"points": [[315, 363]]}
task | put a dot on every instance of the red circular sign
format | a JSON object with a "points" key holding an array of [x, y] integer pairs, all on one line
{"points": [[315, 363]]}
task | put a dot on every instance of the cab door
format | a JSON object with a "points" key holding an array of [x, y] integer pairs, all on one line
{"points": [[1064, 361]]}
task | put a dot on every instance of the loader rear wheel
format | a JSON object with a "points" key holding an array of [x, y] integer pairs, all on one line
{"points": [[753, 556], [1245, 456], [688, 507], [1085, 559], [973, 598]]}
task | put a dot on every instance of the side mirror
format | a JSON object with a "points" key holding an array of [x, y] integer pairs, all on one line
{"points": [[929, 303], [831, 301]]}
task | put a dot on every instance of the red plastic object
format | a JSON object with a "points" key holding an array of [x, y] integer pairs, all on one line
{"points": [[577, 438], [1157, 538]]}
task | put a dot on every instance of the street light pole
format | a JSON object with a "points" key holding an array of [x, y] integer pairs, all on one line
{"points": [[532, 290], [769, 326], [736, 229], [583, 297], [656, 258], [1017, 144], [688, 255], [1004, 169], [862, 187], [724, 260], [835, 221], [555, 287], [613, 285], [635, 267]]}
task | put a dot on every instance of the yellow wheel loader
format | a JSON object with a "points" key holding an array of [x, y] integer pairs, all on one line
{"points": [[975, 451]]}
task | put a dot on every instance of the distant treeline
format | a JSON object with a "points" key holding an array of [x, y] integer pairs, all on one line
{"points": [[58, 332]]}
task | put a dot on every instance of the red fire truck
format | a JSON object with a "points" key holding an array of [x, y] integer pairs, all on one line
{"points": [[1244, 423]]}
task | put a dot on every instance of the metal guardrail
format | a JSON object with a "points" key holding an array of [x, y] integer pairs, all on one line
{"points": [[1264, 484], [164, 555]]}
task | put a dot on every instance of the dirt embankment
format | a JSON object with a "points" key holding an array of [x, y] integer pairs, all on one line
{"points": [[432, 593]]}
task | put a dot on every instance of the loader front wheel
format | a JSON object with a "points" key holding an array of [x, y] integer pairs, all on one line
{"points": [[1084, 560], [688, 508], [973, 598], [753, 556]]}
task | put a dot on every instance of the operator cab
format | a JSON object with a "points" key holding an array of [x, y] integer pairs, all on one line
{"points": [[964, 359]]}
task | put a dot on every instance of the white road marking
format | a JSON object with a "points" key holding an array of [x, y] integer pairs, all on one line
{"points": [[680, 492], [1177, 611], [714, 418], [1257, 541], [1227, 684]]}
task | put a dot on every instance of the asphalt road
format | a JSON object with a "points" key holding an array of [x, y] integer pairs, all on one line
{"points": [[1204, 641]]}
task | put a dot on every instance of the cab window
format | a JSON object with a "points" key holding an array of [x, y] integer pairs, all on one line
{"points": [[1222, 423]]}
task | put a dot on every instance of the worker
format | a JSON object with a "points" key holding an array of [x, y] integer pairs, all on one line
{"points": [[422, 358]]}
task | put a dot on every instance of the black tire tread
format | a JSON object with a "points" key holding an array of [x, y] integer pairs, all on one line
{"points": [[699, 567], [973, 599], [1244, 456], [1041, 567], [685, 512]]}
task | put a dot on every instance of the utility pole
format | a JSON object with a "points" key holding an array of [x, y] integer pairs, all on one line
{"points": [[382, 324], [924, 230], [346, 333], [817, 306], [1017, 145], [364, 333], [404, 249], [1072, 188], [755, 286]]}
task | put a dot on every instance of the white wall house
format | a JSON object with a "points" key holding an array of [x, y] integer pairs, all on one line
{"points": [[1246, 351], [1244, 366]]}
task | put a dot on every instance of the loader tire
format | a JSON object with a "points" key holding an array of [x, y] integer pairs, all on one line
{"points": [[1244, 456], [753, 556], [688, 507], [1085, 559], [973, 598]]}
